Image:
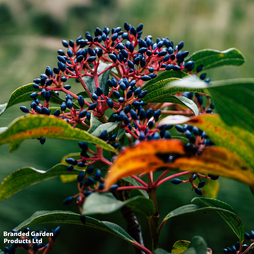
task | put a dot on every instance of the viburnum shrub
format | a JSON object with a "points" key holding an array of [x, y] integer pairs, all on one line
{"points": [[145, 106]]}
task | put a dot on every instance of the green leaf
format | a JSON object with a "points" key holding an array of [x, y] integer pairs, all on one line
{"points": [[107, 203], [1, 252], [164, 75], [120, 133], [233, 138], [28, 176], [103, 78], [173, 119], [198, 244], [35, 126], [41, 217], [211, 188], [210, 58], [230, 217], [110, 126], [22, 94], [233, 99], [180, 246], [164, 89], [94, 123], [136, 183], [160, 251], [184, 101]]}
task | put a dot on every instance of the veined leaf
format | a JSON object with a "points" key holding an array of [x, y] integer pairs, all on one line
{"points": [[22, 94], [35, 126], [180, 246], [230, 218], [164, 76], [231, 137], [210, 58], [110, 126], [94, 123], [233, 99], [162, 90], [107, 203], [153, 155], [28, 176], [41, 217]]}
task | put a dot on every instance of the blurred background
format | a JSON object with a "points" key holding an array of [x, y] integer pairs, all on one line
{"points": [[30, 35]]}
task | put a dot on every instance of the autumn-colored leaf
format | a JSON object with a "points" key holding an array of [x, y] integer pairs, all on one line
{"points": [[153, 155]]}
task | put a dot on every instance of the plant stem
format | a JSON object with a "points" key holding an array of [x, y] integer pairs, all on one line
{"points": [[154, 219]]}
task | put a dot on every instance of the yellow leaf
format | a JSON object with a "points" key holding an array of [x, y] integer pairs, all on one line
{"points": [[153, 155]]}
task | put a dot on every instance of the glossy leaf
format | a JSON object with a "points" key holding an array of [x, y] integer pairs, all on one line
{"points": [[22, 94], [173, 119], [233, 138], [213, 160], [35, 126], [233, 99], [230, 218], [110, 126], [164, 76], [98, 203], [42, 217], [28, 176], [210, 58], [180, 246], [94, 124], [103, 78]]}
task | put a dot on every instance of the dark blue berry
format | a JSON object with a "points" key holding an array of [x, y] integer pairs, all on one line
{"points": [[24, 109], [70, 168], [92, 106], [68, 200], [91, 59], [71, 161], [97, 175], [202, 76], [42, 140], [176, 181], [121, 100], [156, 115], [90, 170], [116, 94], [80, 176], [110, 103], [104, 135], [198, 191], [179, 128], [201, 184], [145, 78]]}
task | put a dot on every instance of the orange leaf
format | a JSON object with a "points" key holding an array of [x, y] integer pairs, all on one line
{"points": [[153, 155]]}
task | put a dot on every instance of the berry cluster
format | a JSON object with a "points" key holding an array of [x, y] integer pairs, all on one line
{"points": [[88, 182], [245, 248], [32, 241]]}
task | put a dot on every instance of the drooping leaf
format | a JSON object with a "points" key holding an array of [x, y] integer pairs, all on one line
{"points": [[233, 138], [107, 203], [28, 176], [180, 246], [230, 218], [103, 78], [149, 156], [198, 244], [35, 126], [22, 94], [41, 217], [210, 58], [233, 99]]}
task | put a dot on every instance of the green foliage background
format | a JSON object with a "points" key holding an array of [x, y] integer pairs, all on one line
{"points": [[31, 33]]}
